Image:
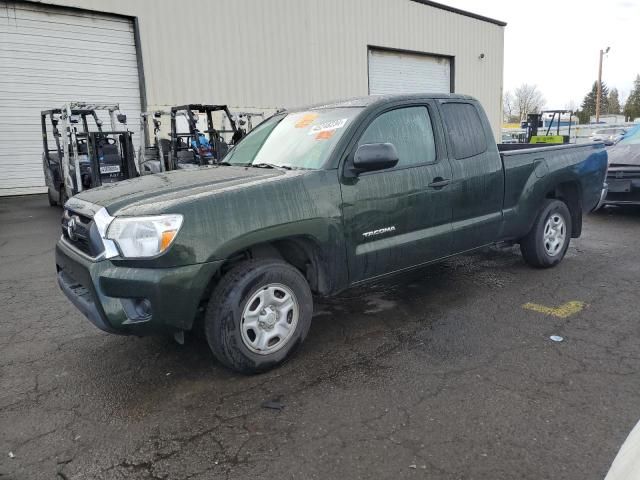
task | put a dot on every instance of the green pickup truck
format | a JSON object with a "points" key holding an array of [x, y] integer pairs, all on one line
{"points": [[312, 202]]}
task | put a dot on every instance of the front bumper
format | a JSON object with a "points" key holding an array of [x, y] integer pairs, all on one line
{"points": [[623, 192], [103, 292]]}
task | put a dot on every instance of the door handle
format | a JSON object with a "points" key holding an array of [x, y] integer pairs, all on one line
{"points": [[439, 182]]}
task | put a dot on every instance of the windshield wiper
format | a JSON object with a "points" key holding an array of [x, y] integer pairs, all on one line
{"points": [[270, 165]]}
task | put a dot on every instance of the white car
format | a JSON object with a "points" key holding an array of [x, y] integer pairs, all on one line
{"points": [[608, 136], [626, 465]]}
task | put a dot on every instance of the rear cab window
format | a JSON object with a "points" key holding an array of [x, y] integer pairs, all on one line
{"points": [[466, 131]]}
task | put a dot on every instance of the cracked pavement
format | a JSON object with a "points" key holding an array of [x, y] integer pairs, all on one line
{"points": [[436, 374]]}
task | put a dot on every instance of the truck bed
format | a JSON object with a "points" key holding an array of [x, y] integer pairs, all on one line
{"points": [[533, 170]]}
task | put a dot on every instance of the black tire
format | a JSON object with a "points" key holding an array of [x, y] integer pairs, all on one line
{"points": [[532, 245], [63, 196], [223, 318], [52, 201]]}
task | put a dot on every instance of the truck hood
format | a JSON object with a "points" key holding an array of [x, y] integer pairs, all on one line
{"points": [[162, 191], [624, 154]]}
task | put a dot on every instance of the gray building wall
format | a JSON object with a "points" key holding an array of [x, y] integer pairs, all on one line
{"points": [[261, 55]]}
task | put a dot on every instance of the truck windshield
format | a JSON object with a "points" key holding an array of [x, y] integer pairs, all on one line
{"points": [[293, 140]]}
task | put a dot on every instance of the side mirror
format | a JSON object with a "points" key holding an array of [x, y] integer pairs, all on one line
{"points": [[99, 122], [375, 156], [122, 118], [74, 119]]}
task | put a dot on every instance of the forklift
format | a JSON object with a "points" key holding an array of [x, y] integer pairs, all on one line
{"points": [[52, 154], [244, 120], [200, 147], [84, 158], [534, 122]]}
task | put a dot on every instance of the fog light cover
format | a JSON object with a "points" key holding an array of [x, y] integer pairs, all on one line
{"points": [[137, 309]]}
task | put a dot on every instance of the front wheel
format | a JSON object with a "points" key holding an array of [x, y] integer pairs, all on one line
{"points": [[547, 242], [258, 314]]}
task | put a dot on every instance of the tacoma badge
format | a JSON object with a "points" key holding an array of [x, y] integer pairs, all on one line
{"points": [[380, 231]]}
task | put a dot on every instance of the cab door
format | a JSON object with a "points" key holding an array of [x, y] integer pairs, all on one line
{"points": [[477, 189], [399, 217]]}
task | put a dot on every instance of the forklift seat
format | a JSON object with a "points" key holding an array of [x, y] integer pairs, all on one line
{"points": [[108, 150], [186, 156], [82, 147]]}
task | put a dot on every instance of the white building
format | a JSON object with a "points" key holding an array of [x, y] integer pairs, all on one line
{"points": [[609, 119], [249, 54]]}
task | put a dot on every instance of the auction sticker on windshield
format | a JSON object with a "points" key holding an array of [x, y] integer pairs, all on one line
{"points": [[306, 120], [325, 134], [327, 126]]}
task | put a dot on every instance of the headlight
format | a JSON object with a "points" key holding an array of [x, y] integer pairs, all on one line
{"points": [[143, 237]]}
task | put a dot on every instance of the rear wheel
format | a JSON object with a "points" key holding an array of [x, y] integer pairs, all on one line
{"points": [[258, 314], [547, 242]]}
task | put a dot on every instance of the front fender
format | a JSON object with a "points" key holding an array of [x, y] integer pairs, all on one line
{"points": [[306, 206], [326, 235]]}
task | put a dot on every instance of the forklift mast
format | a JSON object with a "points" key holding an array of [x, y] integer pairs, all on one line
{"points": [[71, 135], [244, 121], [533, 123], [147, 144], [54, 115]]}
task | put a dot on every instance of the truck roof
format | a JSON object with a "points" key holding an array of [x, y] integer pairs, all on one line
{"points": [[369, 100]]}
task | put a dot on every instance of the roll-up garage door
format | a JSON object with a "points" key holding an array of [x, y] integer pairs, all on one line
{"points": [[399, 72], [49, 57]]}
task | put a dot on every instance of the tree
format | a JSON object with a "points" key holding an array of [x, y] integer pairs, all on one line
{"points": [[614, 102], [588, 107], [527, 99], [508, 108], [632, 105]]}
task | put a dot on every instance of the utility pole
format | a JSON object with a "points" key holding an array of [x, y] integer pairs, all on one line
{"points": [[599, 87]]}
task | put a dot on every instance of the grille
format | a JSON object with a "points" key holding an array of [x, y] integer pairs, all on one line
{"points": [[619, 174], [633, 196], [79, 230]]}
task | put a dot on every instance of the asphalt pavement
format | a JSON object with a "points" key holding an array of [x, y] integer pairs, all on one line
{"points": [[445, 373]]}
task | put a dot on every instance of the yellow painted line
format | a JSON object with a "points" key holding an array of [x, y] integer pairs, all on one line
{"points": [[563, 311]]}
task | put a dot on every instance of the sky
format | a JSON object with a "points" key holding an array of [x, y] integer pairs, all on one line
{"points": [[563, 59]]}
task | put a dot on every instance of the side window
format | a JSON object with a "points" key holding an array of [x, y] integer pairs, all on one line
{"points": [[410, 131], [465, 129]]}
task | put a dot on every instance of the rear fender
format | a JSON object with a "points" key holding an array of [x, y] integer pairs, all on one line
{"points": [[564, 186]]}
